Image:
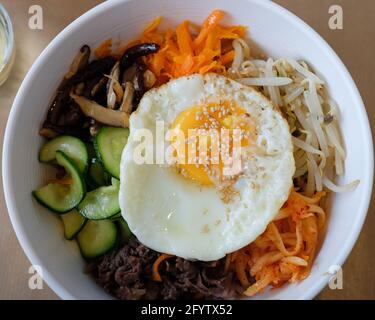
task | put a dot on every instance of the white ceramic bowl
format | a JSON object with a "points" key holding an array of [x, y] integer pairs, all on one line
{"points": [[277, 31]]}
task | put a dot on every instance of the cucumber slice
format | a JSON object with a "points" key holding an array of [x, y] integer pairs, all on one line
{"points": [[101, 203], [109, 143], [97, 238], [73, 223], [97, 173], [115, 182], [124, 231], [62, 198], [73, 147]]}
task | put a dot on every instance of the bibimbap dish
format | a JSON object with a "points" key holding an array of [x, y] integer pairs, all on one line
{"points": [[189, 166]]}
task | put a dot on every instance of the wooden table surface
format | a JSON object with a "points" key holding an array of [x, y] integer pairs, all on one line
{"points": [[354, 44]]}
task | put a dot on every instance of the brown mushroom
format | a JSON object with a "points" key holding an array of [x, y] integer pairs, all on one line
{"points": [[94, 69], [149, 79], [114, 89], [58, 105], [140, 50], [126, 104], [101, 114], [50, 131], [78, 89], [128, 74], [98, 86], [139, 84], [80, 61], [89, 86], [72, 116]]}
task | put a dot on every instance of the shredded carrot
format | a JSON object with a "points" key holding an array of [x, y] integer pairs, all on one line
{"points": [[184, 40], [185, 51], [155, 267], [211, 21], [153, 25], [227, 58], [104, 49], [285, 251]]}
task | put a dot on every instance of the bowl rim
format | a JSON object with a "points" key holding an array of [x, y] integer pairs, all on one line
{"points": [[55, 285]]}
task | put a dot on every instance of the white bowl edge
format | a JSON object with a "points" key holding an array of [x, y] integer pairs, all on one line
{"points": [[8, 182]]}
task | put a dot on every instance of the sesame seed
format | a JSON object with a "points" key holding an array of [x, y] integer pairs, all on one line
{"points": [[206, 229]]}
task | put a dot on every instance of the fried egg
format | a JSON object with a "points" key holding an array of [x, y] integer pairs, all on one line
{"points": [[197, 210]]}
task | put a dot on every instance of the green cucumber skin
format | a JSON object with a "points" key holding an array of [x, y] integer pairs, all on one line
{"points": [[99, 252], [89, 258], [98, 219], [41, 202], [78, 231], [98, 154], [96, 149], [81, 181], [52, 160], [97, 181], [112, 216], [92, 214]]}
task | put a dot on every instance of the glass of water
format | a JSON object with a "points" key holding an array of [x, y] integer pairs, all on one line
{"points": [[7, 50]]}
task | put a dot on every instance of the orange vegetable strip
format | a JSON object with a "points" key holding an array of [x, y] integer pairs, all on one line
{"points": [[227, 58], [186, 67], [180, 55], [155, 268], [184, 41], [104, 49], [212, 20], [208, 68], [157, 63], [238, 30], [153, 25]]}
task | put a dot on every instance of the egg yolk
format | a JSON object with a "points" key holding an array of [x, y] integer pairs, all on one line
{"points": [[211, 116]]}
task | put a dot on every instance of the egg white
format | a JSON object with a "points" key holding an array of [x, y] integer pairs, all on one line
{"points": [[171, 214]]}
